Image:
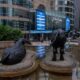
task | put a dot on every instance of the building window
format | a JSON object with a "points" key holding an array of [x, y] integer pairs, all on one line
{"points": [[68, 9], [3, 1], [69, 3], [24, 3], [3, 11], [60, 2], [60, 9]]}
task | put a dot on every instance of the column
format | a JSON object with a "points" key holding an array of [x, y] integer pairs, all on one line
{"points": [[56, 5], [10, 8]]}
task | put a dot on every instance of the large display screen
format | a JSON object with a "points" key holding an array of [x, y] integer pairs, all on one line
{"points": [[67, 24], [40, 20]]}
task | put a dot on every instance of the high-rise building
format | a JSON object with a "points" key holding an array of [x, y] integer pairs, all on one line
{"points": [[69, 11], [77, 14], [66, 7], [15, 13], [45, 3], [21, 13]]}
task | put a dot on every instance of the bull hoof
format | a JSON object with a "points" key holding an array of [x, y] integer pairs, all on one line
{"points": [[54, 59], [61, 59]]}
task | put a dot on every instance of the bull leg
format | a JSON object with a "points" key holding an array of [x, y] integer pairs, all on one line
{"points": [[54, 54], [61, 54]]}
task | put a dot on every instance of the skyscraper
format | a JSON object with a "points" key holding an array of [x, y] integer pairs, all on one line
{"points": [[66, 7], [69, 11], [15, 13], [77, 14], [20, 13]]}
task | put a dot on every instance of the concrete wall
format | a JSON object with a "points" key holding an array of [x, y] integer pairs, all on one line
{"points": [[46, 3]]}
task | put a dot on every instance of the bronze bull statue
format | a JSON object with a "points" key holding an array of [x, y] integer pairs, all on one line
{"points": [[58, 41]]}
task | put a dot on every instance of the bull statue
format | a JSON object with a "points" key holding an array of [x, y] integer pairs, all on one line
{"points": [[58, 41], [14, 54]]}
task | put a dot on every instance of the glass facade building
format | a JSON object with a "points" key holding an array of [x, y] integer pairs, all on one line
{"points": [[77, 14], [69, 10], [16, 13], [66, 7]]}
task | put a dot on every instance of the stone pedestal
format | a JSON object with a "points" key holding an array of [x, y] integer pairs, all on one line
{"points": [[21, 71], [59, 77], [58, 70]]}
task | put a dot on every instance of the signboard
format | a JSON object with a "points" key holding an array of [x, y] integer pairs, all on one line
{"points": [[36, 31], [40, 20], [67, 24]]}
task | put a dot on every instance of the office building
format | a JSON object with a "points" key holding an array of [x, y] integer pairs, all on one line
{"points": [[21, 13], [77, 14], [66, 7], [15, 13]]}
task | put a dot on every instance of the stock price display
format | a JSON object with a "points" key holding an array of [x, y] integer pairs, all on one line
{"points": [[40, 20]]}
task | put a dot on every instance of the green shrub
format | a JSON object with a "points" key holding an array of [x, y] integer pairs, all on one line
{"points": [[8, 33]]}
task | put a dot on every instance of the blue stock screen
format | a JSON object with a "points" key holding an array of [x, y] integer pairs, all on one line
{"points": [[67, 24], [40, 20]]}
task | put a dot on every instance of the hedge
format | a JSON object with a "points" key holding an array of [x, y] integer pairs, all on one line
{"points": [[9, 33]]}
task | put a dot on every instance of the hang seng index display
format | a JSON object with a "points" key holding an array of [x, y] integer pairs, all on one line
{"points": [[40, 20]]}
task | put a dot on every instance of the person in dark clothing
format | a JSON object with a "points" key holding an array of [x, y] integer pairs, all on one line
{"points": [[58, 41]]}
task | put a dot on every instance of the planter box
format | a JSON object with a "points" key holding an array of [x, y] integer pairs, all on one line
{"points": [[76, 52], [5, 44]]}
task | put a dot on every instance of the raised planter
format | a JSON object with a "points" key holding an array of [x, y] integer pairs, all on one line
{"points": [[25, 67], [5, 44], [57, 70], [60, 67], [76, 52]]}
